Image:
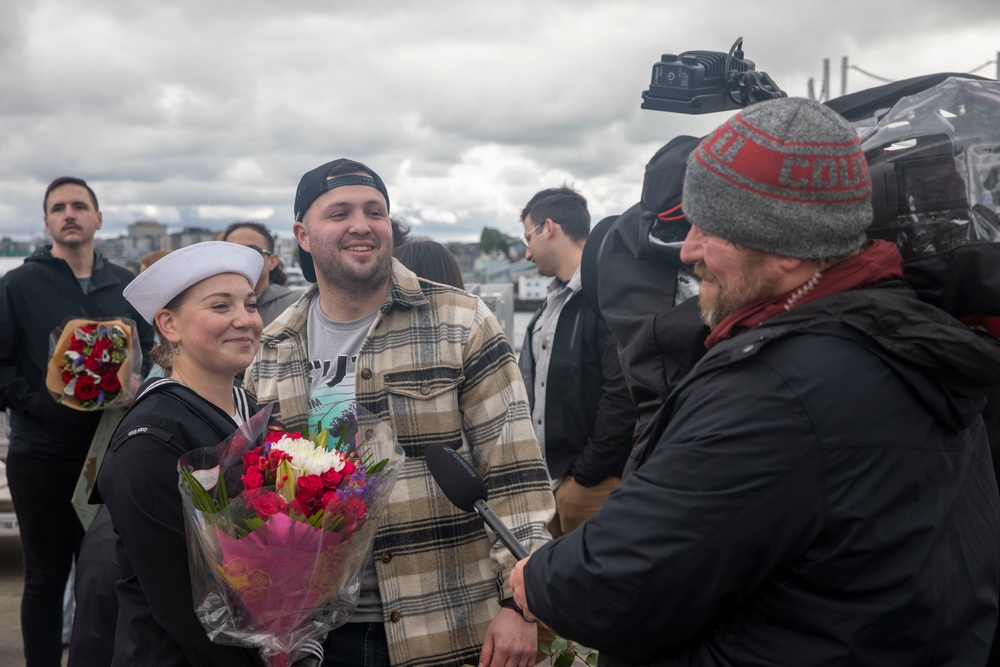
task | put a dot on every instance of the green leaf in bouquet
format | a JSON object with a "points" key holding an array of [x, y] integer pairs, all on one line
{"points": [[200, 498], [565, 659], [377, 468], [558, 645]]}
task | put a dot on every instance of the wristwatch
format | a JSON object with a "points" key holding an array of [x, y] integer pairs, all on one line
{"points": [[508, 603]]}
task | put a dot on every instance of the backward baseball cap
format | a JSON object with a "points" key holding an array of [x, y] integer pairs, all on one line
{"points": [[318, 181]]}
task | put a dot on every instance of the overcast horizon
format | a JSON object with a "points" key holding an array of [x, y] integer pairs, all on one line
{"points": [[202, 113]]}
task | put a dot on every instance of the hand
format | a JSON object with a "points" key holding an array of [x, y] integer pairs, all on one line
{"points": [[510, 641], [516, 580]]}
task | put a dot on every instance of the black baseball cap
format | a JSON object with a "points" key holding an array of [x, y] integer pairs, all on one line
{"points": [[317, 181]]}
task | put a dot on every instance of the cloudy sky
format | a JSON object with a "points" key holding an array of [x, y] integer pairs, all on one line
{"points": [[201, 112]]}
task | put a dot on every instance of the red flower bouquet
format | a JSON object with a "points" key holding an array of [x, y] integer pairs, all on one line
{"points": [[277, 563], [95, 364]]}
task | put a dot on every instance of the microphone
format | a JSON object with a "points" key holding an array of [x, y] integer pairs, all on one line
{"points": [[466, 490]]}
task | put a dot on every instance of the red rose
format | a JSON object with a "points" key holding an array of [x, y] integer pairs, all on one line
{"points": [[251, 458], [253, 479], [111, 384], [310, 486], [101, 346], [331, 478], [268, 504], [66, 377], [85, 389], [77, 345], [353, 508], [348, 468], [331, 502], [92, 364]]}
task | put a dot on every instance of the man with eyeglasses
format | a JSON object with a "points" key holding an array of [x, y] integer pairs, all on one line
{"points": [[581, 410]]}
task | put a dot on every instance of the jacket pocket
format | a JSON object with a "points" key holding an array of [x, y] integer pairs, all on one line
{"points": [[425, 406]]}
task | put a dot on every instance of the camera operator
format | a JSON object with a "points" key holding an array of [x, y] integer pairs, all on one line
{"points": [[782, 513]]}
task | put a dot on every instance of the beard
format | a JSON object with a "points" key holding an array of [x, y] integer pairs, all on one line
{"points": [[361, 280], [719, 302]]}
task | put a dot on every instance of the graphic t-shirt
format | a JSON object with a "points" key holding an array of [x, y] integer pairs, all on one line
{"points": [[333, 353]]}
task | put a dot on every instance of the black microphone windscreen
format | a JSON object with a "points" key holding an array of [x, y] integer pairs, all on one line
{"points": [[460, 482]]}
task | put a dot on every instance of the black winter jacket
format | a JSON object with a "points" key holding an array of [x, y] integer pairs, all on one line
{"points": [[821, 494], [35, 298], [157, 625], [589, 415]]}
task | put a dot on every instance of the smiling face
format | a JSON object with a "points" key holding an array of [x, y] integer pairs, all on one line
{"points": [[216, 324], [348, 232], [71, 218], [732, 276]]}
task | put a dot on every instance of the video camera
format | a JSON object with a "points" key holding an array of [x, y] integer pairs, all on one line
{"points": [[933, 148], [696, 82]]}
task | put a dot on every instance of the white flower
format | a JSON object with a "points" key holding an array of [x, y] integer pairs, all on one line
{"points": [[307, 457]]}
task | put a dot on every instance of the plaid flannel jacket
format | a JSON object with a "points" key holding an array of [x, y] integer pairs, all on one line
{"points": [[437, 367]]}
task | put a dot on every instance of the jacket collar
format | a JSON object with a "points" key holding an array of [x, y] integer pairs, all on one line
{"points": [[404, 292]]}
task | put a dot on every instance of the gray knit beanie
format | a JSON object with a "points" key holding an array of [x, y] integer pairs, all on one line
{"points": [[785, 176]]}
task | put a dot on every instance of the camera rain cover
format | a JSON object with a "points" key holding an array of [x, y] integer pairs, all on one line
{"points": [[934, 158]]}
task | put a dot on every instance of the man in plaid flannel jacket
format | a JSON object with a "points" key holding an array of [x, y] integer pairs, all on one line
{"points": [[434, 364]]}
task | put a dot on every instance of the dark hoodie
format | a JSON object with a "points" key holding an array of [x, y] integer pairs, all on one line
{"points": [[35, 299]]}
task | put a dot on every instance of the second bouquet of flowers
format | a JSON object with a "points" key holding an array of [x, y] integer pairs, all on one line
{"points": [[94, 363], [279, 526]]}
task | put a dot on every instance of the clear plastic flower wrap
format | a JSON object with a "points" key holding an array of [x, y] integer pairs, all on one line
{"points": [[94, 363], [279, 527]]}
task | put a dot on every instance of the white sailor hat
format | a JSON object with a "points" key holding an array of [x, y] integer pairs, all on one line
{"points": [[155, 287]]}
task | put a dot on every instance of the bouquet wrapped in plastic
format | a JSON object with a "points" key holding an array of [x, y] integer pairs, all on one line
{"points": [[279, 527], [94, 363]]}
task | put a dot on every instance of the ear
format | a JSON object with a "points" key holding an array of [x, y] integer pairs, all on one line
{"points": [[549, 228], [100, 220], [301, 234], [789, 264], [167, 325], [272, 261]]}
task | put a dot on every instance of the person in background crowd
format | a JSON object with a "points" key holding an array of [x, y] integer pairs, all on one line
{"points": [[580, 404], [430, 260], [819, 490], [49, 441], [150, 257], [432, 362], [272, 295]]}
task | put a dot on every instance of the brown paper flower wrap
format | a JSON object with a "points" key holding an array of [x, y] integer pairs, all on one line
{"points": [[95, 363]]}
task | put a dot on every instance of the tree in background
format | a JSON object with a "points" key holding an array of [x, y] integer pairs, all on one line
{"points": [[493, 241]]}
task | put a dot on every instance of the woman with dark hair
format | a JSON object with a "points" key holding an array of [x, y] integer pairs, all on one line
{"points": [[430, 260], [272, 295]]}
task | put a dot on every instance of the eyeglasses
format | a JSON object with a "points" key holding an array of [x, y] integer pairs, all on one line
{"points": [[260, 250], [526, 237]]}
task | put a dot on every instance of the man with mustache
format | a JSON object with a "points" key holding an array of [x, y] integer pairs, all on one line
{"points": [[49, 441], [819, 489]]}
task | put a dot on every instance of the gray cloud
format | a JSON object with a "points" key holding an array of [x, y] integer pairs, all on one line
{"points": [[196, 110]]}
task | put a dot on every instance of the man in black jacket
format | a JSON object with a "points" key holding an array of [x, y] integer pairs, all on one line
{"points": [[580, 406], [819, 489], [49, 441]]}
